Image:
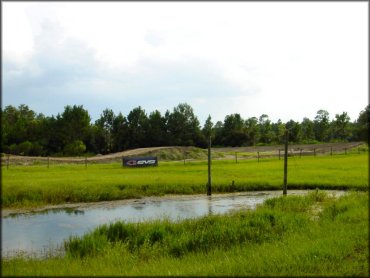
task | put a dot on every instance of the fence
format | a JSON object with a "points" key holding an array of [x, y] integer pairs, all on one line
{"points": [[238, 154]]}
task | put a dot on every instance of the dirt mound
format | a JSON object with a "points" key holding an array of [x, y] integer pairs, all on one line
{"points": [[26, 160], [178, 153]]}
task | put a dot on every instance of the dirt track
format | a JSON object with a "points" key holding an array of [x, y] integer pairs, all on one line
{"points": [[307, 149], [17, 159]]}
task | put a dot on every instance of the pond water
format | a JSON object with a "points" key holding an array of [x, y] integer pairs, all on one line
{"points": [[42, 233]]}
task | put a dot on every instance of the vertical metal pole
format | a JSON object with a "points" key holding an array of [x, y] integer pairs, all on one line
{"points": [[209, 191], [285, 163]]}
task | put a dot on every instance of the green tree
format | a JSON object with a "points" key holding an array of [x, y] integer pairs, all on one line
{"points": [[252, 130], [307, 130], [361, 125], [120, 133], [77, 147], [278, 130], [321, 126], [137, 122], [233, 131], [16, 124], [208, 127], [53, 134], [341, 127], [265, 129], [294, 129], [184, 126], [218, 131], [74, 123], [105, 122], [156, 132]]}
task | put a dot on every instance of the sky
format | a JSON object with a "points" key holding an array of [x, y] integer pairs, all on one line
{"points": [[284, 59]]}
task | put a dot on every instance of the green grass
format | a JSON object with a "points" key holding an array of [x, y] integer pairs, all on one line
{"points": [[25, 186], [313, 235]]}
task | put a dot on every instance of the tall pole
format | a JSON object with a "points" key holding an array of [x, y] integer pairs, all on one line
{"points": [[285, 163], [209, 192]]}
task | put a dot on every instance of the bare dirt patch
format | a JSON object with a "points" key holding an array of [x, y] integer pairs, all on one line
{"points": [[218, 153]]}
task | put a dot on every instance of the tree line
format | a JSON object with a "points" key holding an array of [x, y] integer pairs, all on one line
{"points": [[25, 132]]}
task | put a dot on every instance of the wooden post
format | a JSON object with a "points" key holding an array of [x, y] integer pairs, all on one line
{"points": [[331, 150], [314, 151], [184, 155], [85, 161], [236, 157], [285, 163], [48, 162], [7, 162], [279, 154], [300, 153], [209, 191], [258, 156]]}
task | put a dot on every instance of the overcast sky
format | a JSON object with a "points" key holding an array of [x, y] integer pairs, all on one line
{"points": [[284, 59]]}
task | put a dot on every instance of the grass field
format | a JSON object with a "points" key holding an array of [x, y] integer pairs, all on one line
{"points": [[313, 235], [28, 186]]}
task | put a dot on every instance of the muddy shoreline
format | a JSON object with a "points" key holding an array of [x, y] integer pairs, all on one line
{"points": [[105, 204], [116, 203]]}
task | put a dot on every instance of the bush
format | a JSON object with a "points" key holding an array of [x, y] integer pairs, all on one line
{"points": [[75, 148], [36, 149]]}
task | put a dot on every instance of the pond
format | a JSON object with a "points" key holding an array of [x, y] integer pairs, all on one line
{"points": [[42, 233]]}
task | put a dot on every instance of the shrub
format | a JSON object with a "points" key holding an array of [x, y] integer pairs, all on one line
{"points": [[75, 148]]}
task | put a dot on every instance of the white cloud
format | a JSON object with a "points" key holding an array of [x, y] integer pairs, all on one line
{"points": [[284, 59]]}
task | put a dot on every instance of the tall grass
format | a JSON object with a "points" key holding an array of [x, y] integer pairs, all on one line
{"points": [[313, 235], [24, 186]]}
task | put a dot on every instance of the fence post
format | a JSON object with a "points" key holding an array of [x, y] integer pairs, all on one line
{"points": [[331, 150], [279, 154], [85, 161], [345, 150], [314, 151], [48, 162], [285, 163], [209, 191], [7, 161], [236, 157], [300, 153], [184, 155], [258, 156]]}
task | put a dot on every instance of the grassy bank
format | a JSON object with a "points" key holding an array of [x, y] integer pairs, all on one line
{"points": [[25, 186], [311, 235]]}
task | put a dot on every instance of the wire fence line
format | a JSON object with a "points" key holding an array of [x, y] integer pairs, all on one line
{"points": [[237, 154]]}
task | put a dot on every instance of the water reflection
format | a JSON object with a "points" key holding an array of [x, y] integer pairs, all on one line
{"points": [[209, 203], [34, 232]]}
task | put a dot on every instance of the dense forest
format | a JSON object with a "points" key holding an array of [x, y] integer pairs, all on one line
{"points": [[24, 132]]}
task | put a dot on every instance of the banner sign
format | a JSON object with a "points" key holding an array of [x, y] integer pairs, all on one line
{"points": [[140, 161]]}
